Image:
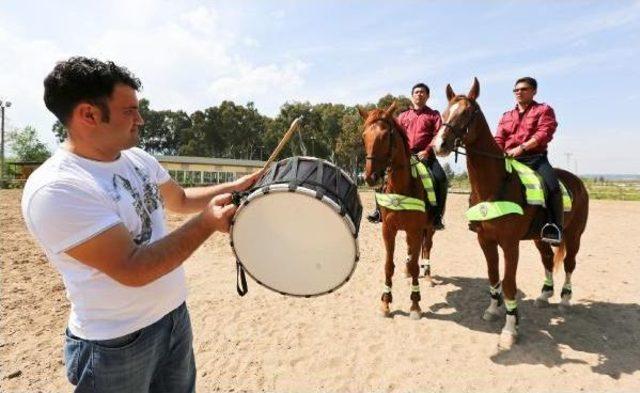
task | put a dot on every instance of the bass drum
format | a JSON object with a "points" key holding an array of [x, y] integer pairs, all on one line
{"points": [[296, 231]]}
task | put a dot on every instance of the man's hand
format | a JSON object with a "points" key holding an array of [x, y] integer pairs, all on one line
{"points": [[515, 152], [246, 181], [220, 211], [422, 155]]}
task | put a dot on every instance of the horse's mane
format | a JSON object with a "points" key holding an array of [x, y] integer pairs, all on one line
{"points": [[376, 115]]}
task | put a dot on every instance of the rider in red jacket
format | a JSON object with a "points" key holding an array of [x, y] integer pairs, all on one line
{"points": [[421, 124], [524, 134]]}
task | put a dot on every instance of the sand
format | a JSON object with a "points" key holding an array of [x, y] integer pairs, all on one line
{"points": [[339, 342]]}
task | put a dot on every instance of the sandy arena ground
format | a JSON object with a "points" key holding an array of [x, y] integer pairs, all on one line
{"points": [[339, 343]]}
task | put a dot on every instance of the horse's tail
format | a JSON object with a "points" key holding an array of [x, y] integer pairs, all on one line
{"points": [[558, 256]]}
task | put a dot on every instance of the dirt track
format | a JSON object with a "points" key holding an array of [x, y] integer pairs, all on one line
{"points": [[267, 342]]}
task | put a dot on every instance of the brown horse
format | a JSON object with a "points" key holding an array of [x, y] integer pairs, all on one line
{"points": [[387, 150], [465, 125]]}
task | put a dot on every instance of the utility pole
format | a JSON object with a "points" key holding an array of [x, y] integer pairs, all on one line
{"points": [[3, 105], [568, 160]]}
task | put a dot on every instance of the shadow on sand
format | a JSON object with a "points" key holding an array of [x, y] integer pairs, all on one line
{"points": [[609, 330]]}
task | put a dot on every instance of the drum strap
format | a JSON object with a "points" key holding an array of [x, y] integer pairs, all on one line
{"points": [[319, 176], [241, 280]]}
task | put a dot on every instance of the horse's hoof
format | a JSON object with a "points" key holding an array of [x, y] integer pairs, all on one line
{"points": [[507, 340], [541, 302], [430, 281], [415, 315], [489, 316]]}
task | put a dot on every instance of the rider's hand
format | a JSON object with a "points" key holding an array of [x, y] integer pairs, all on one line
{"points": [[220, 211], [515, 152], [422, 155]]}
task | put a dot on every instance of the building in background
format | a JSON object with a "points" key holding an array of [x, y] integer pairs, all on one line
{"points": [[187, 171], [194, 171]]}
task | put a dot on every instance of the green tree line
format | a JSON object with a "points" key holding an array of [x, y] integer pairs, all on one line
{"points": [[329, 131]]}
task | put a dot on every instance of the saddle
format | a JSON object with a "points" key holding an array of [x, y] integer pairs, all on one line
{"points": [[534, 192], [402, 202]]}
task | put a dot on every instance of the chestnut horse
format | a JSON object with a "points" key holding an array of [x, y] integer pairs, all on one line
{"points": [[387, 150], [465, 125]]}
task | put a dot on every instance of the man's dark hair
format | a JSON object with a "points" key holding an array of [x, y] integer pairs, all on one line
{"points": [[529, 81], [420, 85], [80, 79]]}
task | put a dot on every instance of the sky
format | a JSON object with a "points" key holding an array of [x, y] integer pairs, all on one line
{"points": [[194, 54]]}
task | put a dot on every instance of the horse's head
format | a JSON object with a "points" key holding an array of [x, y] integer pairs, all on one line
{"points": [[457, 118], [378, 134]]}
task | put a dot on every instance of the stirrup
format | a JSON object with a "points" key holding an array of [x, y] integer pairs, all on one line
{"points": [[551, 234]]}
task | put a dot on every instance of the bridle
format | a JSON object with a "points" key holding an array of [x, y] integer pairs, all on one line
{"points": [[392, 133], [459, 132]]}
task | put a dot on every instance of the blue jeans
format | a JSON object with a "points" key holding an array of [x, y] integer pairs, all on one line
{"points": [[157, 358]]}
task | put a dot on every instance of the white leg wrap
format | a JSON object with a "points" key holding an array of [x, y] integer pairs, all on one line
{"points": [[510, 325], [493, 307]]}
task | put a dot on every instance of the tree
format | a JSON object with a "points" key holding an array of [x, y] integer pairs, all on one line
{"points": [[59, 131], [402, 103], [349, 146], [26, 145]]}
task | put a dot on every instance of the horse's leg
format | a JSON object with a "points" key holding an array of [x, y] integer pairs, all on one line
{"points": [[510, 330], [414, 243], [425, 264], [546, 253], [490, 250], [572, 247], [389, 236]]}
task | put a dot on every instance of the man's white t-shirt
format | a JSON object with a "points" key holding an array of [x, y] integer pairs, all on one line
{"points": [[70, 199]]}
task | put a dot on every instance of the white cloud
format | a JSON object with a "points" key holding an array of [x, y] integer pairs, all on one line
{"points": [[268, 86], [21, 80]]}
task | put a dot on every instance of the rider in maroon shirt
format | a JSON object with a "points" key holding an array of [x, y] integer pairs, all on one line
{"points": [[421, 124], [524, 133]]}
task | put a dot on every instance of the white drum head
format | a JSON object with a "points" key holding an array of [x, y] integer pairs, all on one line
{"points": [[293, 243]]}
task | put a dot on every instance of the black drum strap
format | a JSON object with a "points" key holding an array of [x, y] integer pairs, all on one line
{"points": [[241, 280], [294, 182], [319, 178]]}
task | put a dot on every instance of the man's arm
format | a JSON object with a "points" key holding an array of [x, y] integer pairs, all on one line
{"points": [[501, 133], [547, 125], [194, 199], [436, 127], [114, 253], [544, 133]]}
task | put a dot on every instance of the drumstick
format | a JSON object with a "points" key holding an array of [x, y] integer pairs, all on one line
{"points": [[294, 126]]}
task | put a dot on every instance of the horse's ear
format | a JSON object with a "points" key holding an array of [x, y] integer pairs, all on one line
{"points": [[450, 93], [475, 90], [363, 113], [389, 111]]}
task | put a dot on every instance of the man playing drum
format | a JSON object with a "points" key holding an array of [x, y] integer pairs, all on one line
{"points": [[524, 133], [97, 208], [421, 123]]}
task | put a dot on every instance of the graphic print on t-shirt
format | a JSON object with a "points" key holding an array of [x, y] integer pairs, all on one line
{"points": [[144, 205]]}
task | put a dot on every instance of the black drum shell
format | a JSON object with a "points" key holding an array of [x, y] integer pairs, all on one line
{"points": [[321, 176]]}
